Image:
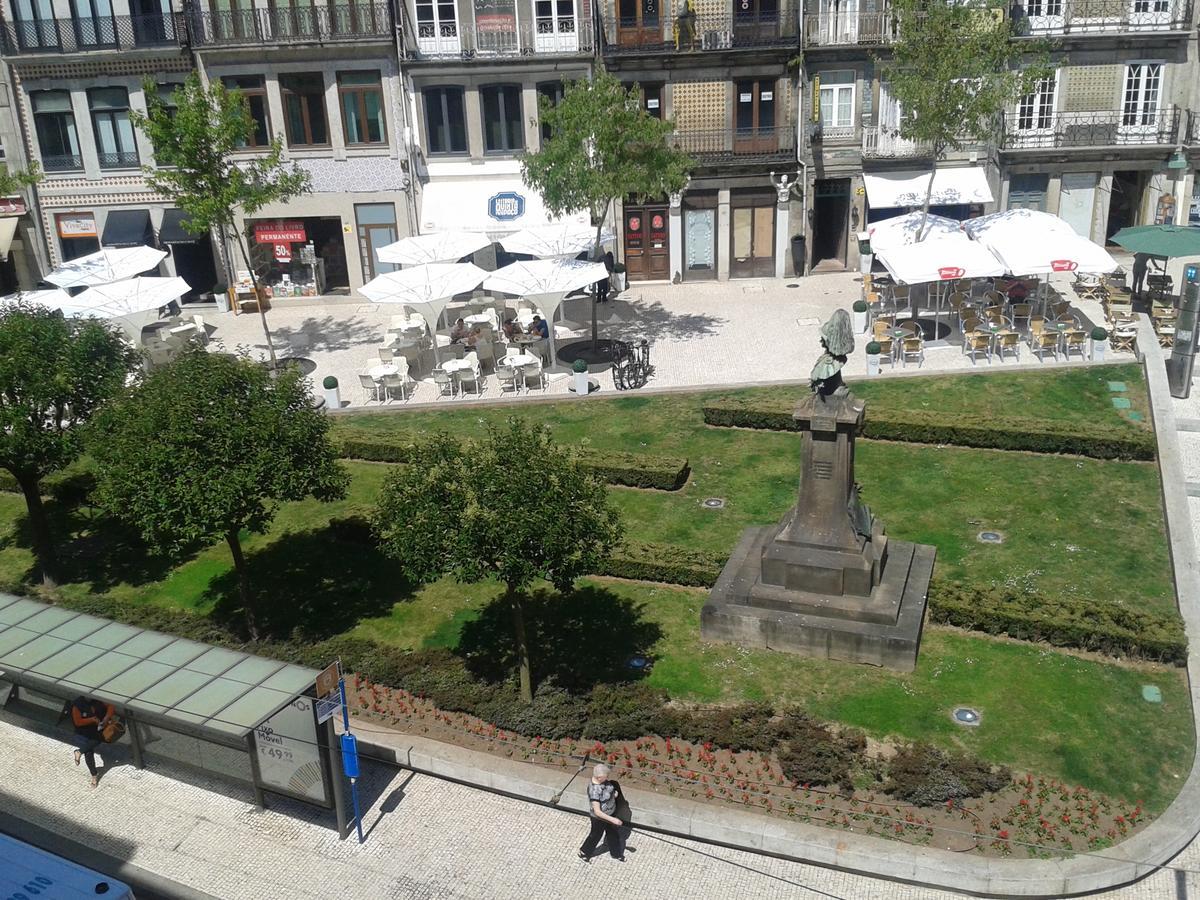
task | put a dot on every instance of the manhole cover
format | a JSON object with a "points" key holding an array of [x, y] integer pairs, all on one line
{"points": [[793, 285], [714, 503], [1151, 693], [990, 537], [964, 715], [638, 663]]}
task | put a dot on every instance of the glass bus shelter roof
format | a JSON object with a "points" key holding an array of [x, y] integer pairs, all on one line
{"points": [[193, 684]]}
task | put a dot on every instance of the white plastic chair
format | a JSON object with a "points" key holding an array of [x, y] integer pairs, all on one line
{"points": [[386, 355], [369, 387], [506, 375], [444, 382], [469, 375], [397, 382], [536, 374]]}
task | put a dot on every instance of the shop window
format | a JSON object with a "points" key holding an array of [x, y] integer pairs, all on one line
{"points": [[77, 234], [361, 94], [55, 126], [304, 109], [253, 89], [115, 147], [553, 92], [445, 123], [502, 131]]}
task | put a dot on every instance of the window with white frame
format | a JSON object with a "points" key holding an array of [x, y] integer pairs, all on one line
{"points": [[1035, 111], [1140, 97], [837, 101]]}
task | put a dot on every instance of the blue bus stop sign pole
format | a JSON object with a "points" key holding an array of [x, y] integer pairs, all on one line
{"points": [[350, 759]]}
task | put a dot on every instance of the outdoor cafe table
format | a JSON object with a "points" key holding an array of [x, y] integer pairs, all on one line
{"points": [[378, 373], [451, 366], [479, 319]]}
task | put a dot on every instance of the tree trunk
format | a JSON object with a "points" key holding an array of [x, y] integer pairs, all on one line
{"points": [[518, 615], [243, 580], [596, 257], [226, 256], [928, 195], [39, 528], [262, 313]]}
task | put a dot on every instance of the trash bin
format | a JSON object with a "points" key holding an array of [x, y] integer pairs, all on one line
{"points": [[798, 254]]}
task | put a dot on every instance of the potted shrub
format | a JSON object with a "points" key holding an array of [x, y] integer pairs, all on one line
{"points": [[221, 295], [860, 316], [873, 349], [617, 282], [333, 398], [1099, 343], [581, 378]]}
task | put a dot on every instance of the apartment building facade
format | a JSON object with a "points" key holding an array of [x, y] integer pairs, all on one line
{"points": [[21, 248]]}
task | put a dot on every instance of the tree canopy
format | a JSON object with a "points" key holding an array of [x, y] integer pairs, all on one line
{"points": [[512, 505], [14, 181], [209, 446], [55, 373]]}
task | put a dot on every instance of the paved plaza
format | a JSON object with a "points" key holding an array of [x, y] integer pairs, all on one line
{"points": [[427, 839], [700, 334]]}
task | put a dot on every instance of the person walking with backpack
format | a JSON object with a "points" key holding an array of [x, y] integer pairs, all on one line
{"points": [[89, 718], [602, 796]]}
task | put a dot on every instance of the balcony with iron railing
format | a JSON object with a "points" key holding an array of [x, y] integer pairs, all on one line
{"points": [[92, 33], [713, 146], [548, 37], [700, 33], [1105, 128], [62, 163], [1034, 18], [118, 159], [866, 29], [881, 142], [336, 23]]}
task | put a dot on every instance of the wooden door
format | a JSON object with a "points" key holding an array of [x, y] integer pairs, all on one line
{"points": [[754, 117], [647, 244], [752, 242], [755, 21], [639, 23]]}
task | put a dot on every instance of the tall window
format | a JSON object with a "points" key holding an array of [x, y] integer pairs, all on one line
{"points": [[115, 147], [253, 89], [445, 123], [502, 118], [1035, 112], [837, 100], [94, 23], [437, 26], [55, 126], [652, 100], [34, 23], [166, 93], [304, 109], [361, 94], [1139, 102], [553, 92]]}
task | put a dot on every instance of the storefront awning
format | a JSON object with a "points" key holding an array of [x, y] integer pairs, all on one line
{"points": [[172, 230], [496, 206], [127, 228], [8, 228], [967, 184]]}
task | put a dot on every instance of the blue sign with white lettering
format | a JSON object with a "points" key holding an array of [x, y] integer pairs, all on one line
{"points": [[1190, 274], [506, 206], [350, 755]]}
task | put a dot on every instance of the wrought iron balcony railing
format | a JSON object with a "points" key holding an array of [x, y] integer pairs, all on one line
{"points": [[120, 159], [1058, 130], [340, 22], [880, 142], [92, 33], [831, 30], [62, 163], [699, 33], [717, 145], [1042, 17], [562, 36]]}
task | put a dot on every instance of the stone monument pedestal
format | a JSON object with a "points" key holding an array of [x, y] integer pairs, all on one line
{"points": [[825, 582]]}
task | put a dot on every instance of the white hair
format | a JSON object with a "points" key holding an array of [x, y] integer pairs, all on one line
{"points": [[600, 771]]}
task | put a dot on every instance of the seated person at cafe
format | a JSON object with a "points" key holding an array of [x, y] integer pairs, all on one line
{"points": [[474, 337], [458, 332], [539, 327], [1017, 292], [511, 328]]}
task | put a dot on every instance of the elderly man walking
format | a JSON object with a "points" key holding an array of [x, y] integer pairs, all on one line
{"points": [[602, 805]]}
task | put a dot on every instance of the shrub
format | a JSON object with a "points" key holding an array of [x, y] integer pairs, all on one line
{"points": [[743, 726], [1086, 623], [860, 306], [579, 366], [1099, 334], [329, 383], [874, 348], [810, 753], [660, 562], [616, 711], [923, 775]]}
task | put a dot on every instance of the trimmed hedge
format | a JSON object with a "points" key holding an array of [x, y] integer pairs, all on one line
{"points": [[664, 473], [1083, 623], [935, 427], [663, 562]]}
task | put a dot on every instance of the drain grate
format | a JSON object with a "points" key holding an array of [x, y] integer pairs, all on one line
{"points": [[713, 503], [964, 715], [990, 537]]}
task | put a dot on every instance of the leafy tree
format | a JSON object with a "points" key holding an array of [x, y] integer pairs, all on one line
{"points": [[199, 142], [955, 69], [12, 183], [209, 446], [513, 506], [54, 374], [603, 147]]}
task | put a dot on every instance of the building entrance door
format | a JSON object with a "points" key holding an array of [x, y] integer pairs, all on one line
{"points": [[1125, 202], [831, 210], [647, 250], [752, 245]]}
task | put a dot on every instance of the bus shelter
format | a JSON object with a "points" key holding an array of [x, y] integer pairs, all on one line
{"points": [[231, 714]]}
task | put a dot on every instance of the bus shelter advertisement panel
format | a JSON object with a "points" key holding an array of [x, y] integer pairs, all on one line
{"points": [[289, 759]]}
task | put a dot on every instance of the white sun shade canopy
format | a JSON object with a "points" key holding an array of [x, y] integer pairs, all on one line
{"points": [[51, 297], [123, 298], [425, 289], [442, 246], [902, 230], [560, 239], [1029, 242], [964, 184], [1029, 222], [942, 258], [106, 266], [546, 282]]}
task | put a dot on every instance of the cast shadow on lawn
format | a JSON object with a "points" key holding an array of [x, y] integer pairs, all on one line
{"points": [[310, 585], [581, 638]]}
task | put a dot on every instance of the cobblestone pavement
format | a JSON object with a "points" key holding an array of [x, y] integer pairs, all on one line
{"points": [[427, 840], [701, 334]]}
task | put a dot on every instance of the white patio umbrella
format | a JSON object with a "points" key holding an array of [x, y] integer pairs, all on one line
{"points": [[546, 282], [131, 303], [1029, 222], [943, 258], [425, 289], [441, 246], [52, 297], [105, 266], [902, 230], [559, 239]]}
